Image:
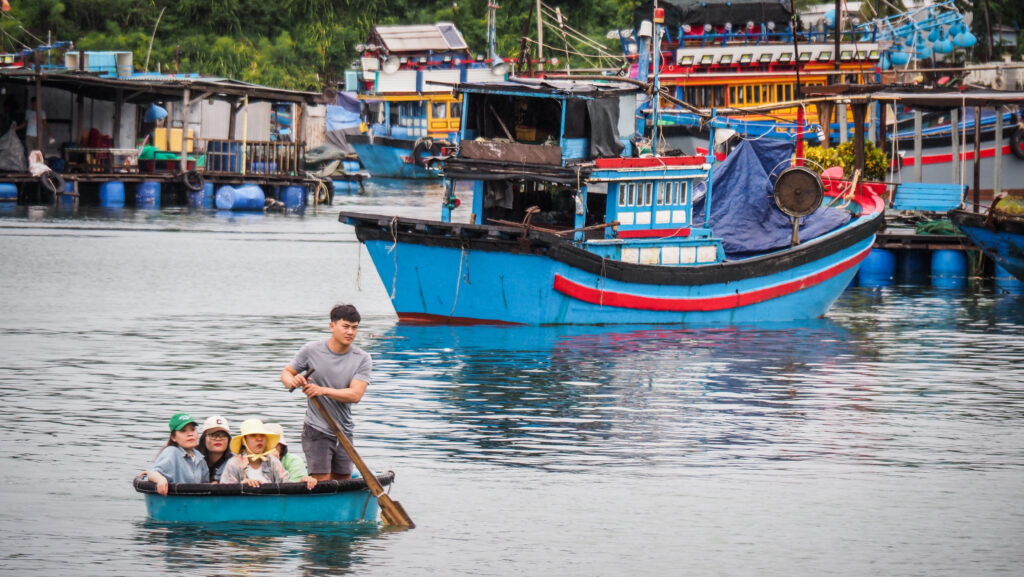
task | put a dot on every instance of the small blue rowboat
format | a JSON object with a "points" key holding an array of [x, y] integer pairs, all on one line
{"points": [[330, 501]]}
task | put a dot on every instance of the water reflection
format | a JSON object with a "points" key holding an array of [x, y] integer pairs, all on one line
{"points": [[258, 548], [569, 397]]}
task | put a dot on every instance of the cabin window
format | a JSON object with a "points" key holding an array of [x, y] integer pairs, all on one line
{"points": [[749, 90], [622, 194], [663, 188], [757, 94], [681, 189], [438, 110], [648, 193], [719, 94], [732, 95], [631, 199], [779, 94], [789, 92]]}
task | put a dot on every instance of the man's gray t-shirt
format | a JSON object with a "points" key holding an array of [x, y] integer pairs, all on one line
{"points": [[336, 371]]}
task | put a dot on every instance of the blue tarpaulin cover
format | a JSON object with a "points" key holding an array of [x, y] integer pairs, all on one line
{"points": [[743, 211]]}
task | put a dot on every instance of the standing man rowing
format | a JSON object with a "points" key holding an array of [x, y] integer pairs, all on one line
{"points": [[342, 373]]}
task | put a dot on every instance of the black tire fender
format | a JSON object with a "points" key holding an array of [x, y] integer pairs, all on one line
{"points": [[422, 143], [193, 180], [52, 181], [1017, 143]]}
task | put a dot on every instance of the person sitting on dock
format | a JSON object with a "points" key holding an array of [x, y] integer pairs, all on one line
{"points": [[292, 462], [254, 462], [341, 377], [178, 461], [213, 444]]}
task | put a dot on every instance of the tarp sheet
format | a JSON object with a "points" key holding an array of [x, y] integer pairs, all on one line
{"points": [[343, 118], [743, 210], [697, 13], [604, 122], [12, 152]]}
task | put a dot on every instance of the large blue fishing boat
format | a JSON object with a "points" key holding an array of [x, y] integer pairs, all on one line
{"points": [[562, 225], [330, 501]]}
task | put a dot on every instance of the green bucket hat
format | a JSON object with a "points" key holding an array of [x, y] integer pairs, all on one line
{"points": [[179, 420]]}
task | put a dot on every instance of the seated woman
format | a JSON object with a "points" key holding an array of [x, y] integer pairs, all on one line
{"points": [[178, 462], [254, 462], [214, 445], [292, 462]]}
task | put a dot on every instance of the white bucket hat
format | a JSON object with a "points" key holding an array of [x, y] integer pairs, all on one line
{"points": [[279, 431]]}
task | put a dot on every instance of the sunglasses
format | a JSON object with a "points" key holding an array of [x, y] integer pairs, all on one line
{"points": [[219, 435]]}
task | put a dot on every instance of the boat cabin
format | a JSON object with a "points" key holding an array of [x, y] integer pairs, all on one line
{"points": [[406, 78], [557, 156]]}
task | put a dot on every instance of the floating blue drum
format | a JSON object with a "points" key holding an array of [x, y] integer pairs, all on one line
{"points": [[112, 194], [345, 187], [913, 265], [245, 197], [293, 197], [350, 166], [878, 268], [8, 192], [949, 268], [147, 194]]}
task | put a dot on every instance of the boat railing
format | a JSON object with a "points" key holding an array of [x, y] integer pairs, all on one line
{"points": [[264, 158]]}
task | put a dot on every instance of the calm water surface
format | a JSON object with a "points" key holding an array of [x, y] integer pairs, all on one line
{"points": [[887, 438]]}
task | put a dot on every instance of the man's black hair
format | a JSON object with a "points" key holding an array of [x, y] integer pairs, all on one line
{"points": [[345, 313]]}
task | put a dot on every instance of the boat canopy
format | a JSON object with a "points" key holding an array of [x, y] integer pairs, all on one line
{"points": [[566, 89], [743, 210], [716, 12]]}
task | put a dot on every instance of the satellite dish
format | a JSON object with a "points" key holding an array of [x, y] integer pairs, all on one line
{"points": [[499, 67], [391, 65], [798, 192]]}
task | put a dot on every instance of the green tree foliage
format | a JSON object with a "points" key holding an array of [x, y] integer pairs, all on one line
{"points": [[300, 44]]}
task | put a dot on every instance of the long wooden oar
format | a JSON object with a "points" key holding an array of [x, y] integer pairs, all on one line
{"points": [[391, 511]]}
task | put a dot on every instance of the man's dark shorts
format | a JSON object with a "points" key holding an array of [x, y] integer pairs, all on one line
{"points": [[324, 454]]}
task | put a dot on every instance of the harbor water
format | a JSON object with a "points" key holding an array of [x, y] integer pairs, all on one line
{"points": [[884, 439]]}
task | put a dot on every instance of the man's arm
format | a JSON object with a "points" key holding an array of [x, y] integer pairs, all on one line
{"points": [[292, 379], [353, 394]]}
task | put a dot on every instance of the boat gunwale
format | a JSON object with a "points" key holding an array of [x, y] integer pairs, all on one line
{"points": [[331, 487], [996, 221]]}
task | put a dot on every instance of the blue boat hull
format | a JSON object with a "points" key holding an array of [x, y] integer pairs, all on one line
{"points": [[439, 272], [388, 157], [331, 501], [1001, 238]]}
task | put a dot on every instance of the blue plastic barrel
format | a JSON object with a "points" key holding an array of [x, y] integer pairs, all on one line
{"points": [[293, 197], [949, 269], [913, 265], [147, 194], [350, 166], [8, 192], [951, 263], [878, 268], [345, 187], [244, 197], [112, 194]]}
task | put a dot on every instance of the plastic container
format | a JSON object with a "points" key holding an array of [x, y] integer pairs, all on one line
{"points": [[147, 194], [878, 268], [112, 194], [247, 197], [949, 263], [913, 265], [8, 192], [293, 197]]}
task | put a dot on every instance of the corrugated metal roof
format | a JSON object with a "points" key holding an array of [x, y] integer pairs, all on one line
{"points": [[421, 38]]}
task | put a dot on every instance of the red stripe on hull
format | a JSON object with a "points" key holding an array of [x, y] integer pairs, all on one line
{"points": [[946, 158], [706, 304], [443, 320]]}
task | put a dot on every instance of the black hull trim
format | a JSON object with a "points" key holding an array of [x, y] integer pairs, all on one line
{"points": [[511, 240], [998, 222], [383, 140]]}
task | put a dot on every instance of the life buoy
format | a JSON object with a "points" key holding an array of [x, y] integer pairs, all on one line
{"points": [[1017, 143], [52, 182], [193, 180], [422, 143]]}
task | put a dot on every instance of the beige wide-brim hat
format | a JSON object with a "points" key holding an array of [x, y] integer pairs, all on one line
{"points": [[254, 427]]}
